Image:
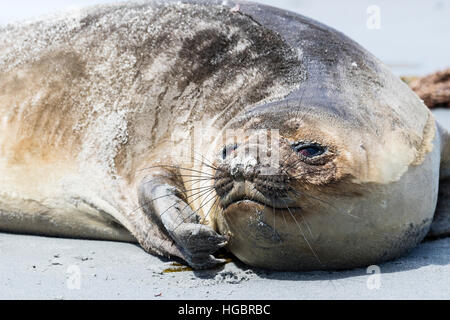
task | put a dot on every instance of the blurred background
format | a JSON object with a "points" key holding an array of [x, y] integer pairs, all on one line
{"points": [[410, 36]]}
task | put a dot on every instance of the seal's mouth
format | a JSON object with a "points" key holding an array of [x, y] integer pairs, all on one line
{"points": [[242, 201], [252, 203]]}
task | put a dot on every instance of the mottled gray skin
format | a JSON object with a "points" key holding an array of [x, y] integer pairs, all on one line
{"points": [[98, 106]]}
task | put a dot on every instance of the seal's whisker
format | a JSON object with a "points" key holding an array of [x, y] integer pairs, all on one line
{"points": [[147, 202], [303, 220], [214, 204], [299, 193], [281, 165], [175, 167], [184, 190], [171, 206], [189, 203], [194, 176], [185, 219], [196, 211], [198, 188], [209, 200], [203, 163], [273, 211], [326, 202], [202, 193], [304, 237], [206, 216], [193, 159], [210, 165], [289, 166], [194, 181], [164, 196], [294, 163], [284, 218]]}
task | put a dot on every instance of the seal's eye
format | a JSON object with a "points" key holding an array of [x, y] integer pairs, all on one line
{"points": [[308, 150], [227, 150]]}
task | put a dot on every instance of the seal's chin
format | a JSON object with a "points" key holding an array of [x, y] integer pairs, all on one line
{"points": [[264, 236]]}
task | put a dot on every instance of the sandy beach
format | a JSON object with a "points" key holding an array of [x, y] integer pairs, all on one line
{"points": [[412, 40]]}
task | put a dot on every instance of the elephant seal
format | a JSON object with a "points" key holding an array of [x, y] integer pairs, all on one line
{"points": [[310, 153]]}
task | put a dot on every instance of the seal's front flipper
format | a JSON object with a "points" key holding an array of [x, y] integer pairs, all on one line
{"points": [[441, 221], [162, 199]]}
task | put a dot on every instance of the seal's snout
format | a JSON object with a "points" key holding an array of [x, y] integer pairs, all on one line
{"points": [[243, 165], [242, 175], [242, 162]]}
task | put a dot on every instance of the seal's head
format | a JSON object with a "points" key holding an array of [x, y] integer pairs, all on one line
{"points": [[302, 188]]}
